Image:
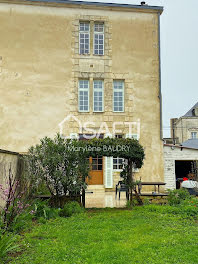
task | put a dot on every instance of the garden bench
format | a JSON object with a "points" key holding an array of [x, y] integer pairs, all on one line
{"points": [[155, 184]]}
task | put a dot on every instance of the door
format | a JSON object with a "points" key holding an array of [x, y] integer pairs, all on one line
{"points": [[96, 173]]}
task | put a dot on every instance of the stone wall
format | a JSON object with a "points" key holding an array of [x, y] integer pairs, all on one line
{"points": [[40, 68], [171, 154], [184, 126], [8, 160]]}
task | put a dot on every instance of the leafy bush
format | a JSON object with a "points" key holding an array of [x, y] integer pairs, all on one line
{"points": [[55, 163], [70, 209], [176, 197], [146, 201], [21, 222], [41, 209], [7, 244]]}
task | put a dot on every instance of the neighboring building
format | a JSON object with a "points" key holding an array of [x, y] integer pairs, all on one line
{"points": [[191, 143], [185, 127], [180, 161], [96, 62]]}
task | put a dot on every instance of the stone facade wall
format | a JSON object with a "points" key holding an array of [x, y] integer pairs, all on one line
{"points": [[7, 160], [40, 68], [171, 154], [184, 127]]}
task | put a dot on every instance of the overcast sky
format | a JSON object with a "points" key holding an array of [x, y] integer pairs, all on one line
{"points": [[179, 55]]}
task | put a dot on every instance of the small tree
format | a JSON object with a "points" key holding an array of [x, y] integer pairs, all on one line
{"points": [[57, 163]]}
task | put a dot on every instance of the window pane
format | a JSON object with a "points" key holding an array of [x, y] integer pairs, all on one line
{"points": [[98, 95], [84, 38], [99, 39], [118, 96], [83, 95]]}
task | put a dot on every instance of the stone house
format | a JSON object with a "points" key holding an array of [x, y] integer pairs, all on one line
{"points": [[179, 162], [94, 62], [185, 127]]}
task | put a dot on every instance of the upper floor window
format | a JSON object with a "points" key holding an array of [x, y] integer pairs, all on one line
{"points": [[99, 38], [193, 135], [98, 96], [83, 95], [118, 96], [84, 37]]}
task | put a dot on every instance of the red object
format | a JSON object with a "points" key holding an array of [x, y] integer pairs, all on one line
{"points": [[185, 179]]}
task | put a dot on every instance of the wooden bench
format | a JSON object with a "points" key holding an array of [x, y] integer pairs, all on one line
{"points": [[155, 184], [121, 187]]}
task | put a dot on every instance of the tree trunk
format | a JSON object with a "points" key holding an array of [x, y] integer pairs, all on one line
{"points": [[130, 180], [132, 184]]}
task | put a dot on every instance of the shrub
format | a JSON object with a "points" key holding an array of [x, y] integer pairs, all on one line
{"points": [[146, 201], [176, 197], [21, 222], [70, 209], [41, 209], [7, 244]]}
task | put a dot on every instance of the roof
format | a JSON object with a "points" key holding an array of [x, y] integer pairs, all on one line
{"points": [[85, 3], [190, 112], [191, 143], [178, 146], [8, 152]]}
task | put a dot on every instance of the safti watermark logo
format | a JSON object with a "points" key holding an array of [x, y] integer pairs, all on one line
{"points": [[90, 129]]}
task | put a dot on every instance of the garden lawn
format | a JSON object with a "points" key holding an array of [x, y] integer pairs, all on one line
{"points": [[112, 236]]}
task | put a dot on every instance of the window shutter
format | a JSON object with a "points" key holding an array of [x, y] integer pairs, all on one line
{"points": [[108, 172], [108, 168], [73, 136]]}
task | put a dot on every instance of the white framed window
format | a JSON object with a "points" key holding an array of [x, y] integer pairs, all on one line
{"points": [[83, 96], [84, 37], [193, 135], [118, 96], [98, 38], [118, 163], [98, 95]]}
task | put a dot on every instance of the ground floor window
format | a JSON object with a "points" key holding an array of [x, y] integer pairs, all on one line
{"points": [[117, 163], [96, 163]]}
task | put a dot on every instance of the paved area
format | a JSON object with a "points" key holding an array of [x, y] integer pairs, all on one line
{"points": [[104, 199]]}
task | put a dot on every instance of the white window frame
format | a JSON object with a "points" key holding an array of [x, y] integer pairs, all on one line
{"points": [[98, 34], [82, 89], [98, 90], [120, 90], [117, 164], [193, 135], [84, 32]]}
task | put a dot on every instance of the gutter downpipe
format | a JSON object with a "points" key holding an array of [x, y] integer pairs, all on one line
{"points": [[160, 91]]}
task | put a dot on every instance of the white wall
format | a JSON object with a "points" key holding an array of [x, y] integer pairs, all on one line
{"points": [[171, 154]]}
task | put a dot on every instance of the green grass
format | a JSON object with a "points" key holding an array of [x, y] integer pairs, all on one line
{"points": [[112, 236]]}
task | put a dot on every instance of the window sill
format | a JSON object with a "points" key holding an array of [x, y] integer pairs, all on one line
{"points": [[98, 55]]}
